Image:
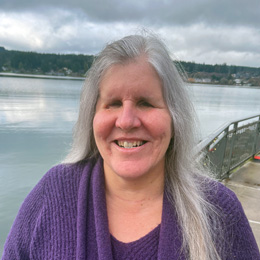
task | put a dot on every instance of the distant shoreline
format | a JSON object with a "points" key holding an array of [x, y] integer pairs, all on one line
{"points": [[32, 76], [16, 75]]}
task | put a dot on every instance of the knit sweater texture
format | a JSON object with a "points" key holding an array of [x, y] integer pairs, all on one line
{"points": [[65, 217], [144, 248]]}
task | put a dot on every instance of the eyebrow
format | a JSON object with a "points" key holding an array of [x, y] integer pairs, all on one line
{"points": [[136, 98]]}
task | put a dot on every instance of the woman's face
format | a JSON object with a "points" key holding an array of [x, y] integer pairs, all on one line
{"points": [[132, 124]]}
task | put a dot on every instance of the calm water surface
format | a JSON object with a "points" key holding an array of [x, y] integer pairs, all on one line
{"points": [[36, 121]]}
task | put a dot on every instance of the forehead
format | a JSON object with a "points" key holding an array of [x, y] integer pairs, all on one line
{"points": [[136, 77]]}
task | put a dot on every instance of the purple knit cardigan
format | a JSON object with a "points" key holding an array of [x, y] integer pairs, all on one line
{"points": [[65, 217]]}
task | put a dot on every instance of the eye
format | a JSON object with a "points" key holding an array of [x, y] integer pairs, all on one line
{"points": [[116, 103], [144, 103]]}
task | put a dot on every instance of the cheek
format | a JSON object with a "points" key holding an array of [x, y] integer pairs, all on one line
{"points": [[102, 125], [160, 125], [164, 134]]}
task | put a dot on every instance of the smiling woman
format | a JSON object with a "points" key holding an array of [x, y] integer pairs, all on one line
{"points": [[130, 187]]}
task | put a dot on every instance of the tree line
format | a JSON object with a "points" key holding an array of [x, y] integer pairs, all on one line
{"points": [[222, 74], [39, 63], [77, 65], [192, 67]]}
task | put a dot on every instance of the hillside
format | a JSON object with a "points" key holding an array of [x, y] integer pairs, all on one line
{"points": [[44, 64], [77, 65]]}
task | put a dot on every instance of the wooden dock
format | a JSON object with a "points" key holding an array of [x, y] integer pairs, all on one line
{"points": [[245, 182]]}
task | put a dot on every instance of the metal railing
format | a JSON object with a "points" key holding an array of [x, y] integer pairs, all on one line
{"points": [[230, 146]]}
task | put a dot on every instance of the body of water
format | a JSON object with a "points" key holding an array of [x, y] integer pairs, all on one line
{"points": [[36, 121]]}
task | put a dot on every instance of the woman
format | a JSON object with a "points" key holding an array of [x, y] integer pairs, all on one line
{"points": [[129, 188]]}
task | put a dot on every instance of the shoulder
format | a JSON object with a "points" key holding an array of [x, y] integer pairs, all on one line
{"points": [[60, 182], [231, 219], [219, 193], [67, 174], [65, 171], [62, 174], [224, 200]]}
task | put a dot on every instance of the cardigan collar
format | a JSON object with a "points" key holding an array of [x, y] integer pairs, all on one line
{"points": [[93, 237]]}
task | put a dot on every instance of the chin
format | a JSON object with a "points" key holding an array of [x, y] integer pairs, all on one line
{"points": [[131, 175], [133, 171]]}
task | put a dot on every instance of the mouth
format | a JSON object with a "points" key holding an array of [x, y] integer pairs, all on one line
{"points": [[129, 145]]}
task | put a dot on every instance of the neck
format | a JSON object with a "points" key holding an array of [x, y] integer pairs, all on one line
{"points": [[134, 206], [134, 192]]}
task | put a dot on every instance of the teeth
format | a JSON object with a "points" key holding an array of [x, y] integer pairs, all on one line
{"points": [[129, 145]]}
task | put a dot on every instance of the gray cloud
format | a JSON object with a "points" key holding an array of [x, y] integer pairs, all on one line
{"points": [[210, 31], [235, 12]]}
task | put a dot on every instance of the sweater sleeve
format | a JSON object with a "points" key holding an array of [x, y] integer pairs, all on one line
{"points": [[18, 242]]}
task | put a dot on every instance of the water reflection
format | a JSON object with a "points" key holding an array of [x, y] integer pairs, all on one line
{"points": [[216, 105], [44, 105], [41, 113]]}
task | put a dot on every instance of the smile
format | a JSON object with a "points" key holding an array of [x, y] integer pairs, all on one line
{"points": [[129, 145]]}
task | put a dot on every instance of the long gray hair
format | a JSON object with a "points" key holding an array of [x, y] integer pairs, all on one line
{"points": [[183, 181]]}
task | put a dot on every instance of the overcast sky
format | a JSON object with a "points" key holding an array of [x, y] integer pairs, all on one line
{"points": [[204, 31]]}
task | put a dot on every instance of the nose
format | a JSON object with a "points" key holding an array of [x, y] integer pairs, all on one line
{"points": [[127, 117]]}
